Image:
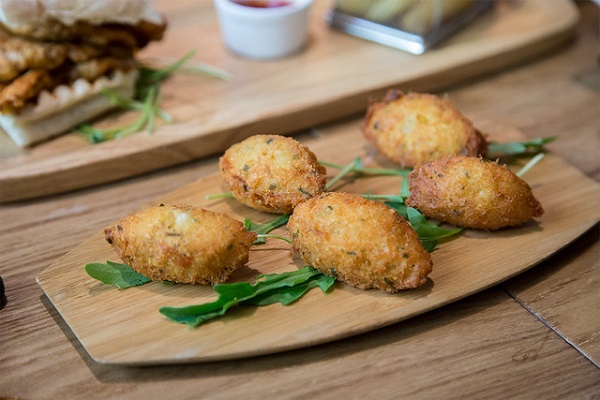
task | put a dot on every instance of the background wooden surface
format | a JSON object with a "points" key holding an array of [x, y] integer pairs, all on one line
{"points": [[535, 336], [327, 81]]}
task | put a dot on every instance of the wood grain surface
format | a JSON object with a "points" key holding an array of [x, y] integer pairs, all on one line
{"points": [[329, 80], [106, 319], [533, 337]]}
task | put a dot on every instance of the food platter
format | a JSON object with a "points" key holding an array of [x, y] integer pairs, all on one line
{"points": [[281, 96], [125, 327]]}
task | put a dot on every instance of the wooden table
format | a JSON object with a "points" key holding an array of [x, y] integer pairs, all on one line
{"points": [[534, 336]]}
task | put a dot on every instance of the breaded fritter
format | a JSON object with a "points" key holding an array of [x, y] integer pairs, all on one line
{"points": [[472, 192], [272, 173], [358, 241], [181, 243], [414, 128]]}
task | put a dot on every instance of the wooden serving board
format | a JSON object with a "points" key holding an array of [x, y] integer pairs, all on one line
{"points": [[334, 77], [125, 327]]}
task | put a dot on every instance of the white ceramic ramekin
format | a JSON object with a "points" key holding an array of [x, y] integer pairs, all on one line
{"points": [[264, 33]]}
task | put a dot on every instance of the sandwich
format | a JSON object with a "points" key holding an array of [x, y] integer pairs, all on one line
{"points": [[57, 57]]}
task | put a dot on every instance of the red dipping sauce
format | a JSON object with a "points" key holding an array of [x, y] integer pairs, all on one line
{"points": [[263, 3]]}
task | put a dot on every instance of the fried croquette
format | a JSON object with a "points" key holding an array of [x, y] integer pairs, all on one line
{"points": [[181, 243], [473, 193], [358, 241], [272, 173], [414, 128]]}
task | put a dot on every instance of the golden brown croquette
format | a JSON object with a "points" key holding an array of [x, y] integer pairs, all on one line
{"points": [[272, 173], [414, 128], [181, 243], [472, 192], [358, 241]]}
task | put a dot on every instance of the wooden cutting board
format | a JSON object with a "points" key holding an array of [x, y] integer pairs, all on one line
{"points": [[125, 327], [334, 77]]}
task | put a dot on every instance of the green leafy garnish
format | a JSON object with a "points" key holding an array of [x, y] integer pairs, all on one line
{"points": [[284, 288], [150, 78], [223, 195], [265, 236], [263, 229], [146, 100], [206, 69], [151, 75], [149, 109], [429, 233], [357, 167], [534, 160], [119, 275], [393, 198], [496, 150], [404, 188]]}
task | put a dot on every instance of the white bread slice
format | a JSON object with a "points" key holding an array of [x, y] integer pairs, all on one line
{"points": [[65, 107], [26, 16]]}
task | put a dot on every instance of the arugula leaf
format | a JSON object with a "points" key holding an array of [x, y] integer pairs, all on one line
{"points": [[282, 288], [289, 287], [404, 188], [429, 244], [119, 275], [426, 229], [265, 228], [429, 233], [287, 295], [496, 149], [399, 207]]}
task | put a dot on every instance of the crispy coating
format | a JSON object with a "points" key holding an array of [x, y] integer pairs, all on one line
{"points": [[414, 128], [28, 67], [18, 54], [272, 173], [181, 243], [358, 241], [23, 89], [472, 192]]}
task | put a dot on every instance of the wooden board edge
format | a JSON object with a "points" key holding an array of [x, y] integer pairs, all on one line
{"points": [[26, 183]]}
